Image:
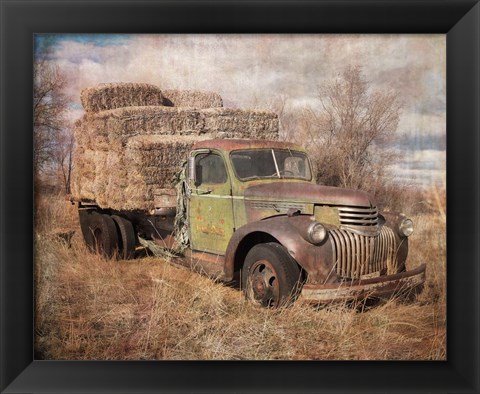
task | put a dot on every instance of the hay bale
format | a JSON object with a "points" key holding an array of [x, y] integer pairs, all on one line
{"points": [[139, 177], [84, 173], [117, 95], [112, 180], [154, 120], [158, 158], [240, 123], [110, 186], [191, 99], [120, 124]]}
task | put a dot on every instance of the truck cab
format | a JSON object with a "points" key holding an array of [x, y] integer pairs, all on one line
{"points": [[255, 212], [222, 175]]}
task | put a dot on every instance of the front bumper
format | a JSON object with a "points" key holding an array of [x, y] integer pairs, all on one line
{"points": [[382, 286]]}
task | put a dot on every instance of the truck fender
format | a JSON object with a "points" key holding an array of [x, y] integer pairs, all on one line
{"points": [[316, 260]]}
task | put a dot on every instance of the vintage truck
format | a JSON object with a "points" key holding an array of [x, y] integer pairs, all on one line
{"points": [[251, 211]]}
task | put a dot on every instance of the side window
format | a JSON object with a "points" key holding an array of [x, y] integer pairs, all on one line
{"points": [[210, 168]]}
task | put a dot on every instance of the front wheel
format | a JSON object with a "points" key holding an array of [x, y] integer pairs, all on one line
{"points": [[270, 276]]}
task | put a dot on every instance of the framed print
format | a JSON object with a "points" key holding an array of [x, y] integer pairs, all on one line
{"points": [[74, 321]]}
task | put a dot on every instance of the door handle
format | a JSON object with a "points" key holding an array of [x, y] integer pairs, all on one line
{"points": [[202, 191]]}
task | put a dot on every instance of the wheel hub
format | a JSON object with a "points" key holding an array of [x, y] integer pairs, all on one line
{"points": [[259, 286], [264, 284]]}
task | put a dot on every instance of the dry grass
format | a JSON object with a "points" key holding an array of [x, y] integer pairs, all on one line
{"points": [[90, 308]]}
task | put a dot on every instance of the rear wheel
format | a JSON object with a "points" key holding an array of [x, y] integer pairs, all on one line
{"points": [[127, 241], [270, 276], [99, 233]]}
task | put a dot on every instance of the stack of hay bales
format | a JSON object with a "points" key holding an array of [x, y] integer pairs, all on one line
{"points": [[133, 138]]}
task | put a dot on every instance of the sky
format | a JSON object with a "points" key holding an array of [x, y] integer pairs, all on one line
{"points": [[254, 70]]}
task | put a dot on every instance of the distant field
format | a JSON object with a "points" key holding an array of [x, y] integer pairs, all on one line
{"points": [[88, 308]]}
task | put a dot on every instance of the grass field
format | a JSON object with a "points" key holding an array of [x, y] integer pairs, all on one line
{"points": [[88, 308]]}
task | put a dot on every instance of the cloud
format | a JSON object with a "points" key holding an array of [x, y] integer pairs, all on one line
{"points": [[425, 166], [421, 126], [242, 66]]}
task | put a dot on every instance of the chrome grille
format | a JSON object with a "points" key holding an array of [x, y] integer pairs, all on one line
{"points": [[356, 255], [363, 220]]}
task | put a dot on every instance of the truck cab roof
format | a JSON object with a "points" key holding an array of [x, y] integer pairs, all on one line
{"points": [[228, 144]]}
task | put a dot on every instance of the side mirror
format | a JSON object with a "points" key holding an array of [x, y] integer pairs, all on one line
{"points": [[191, 169]]}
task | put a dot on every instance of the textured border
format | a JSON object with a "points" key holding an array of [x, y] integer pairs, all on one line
{"points": [[460, 20]]}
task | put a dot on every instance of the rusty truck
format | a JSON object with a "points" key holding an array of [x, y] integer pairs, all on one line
{"points": [[251, 211]]}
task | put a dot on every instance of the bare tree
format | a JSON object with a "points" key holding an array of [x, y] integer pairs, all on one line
{"points": [[349, 131], [49, 107], [287, 120], [53, 136], [63, 158]]}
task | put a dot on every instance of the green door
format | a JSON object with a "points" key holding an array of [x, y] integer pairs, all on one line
{"points": [[210, 207]]}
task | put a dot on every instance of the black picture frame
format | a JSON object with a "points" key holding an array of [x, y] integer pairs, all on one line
{"points": [[459, 20]]}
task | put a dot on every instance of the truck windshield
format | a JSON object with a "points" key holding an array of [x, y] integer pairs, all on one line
{"points": [[270, 163]]}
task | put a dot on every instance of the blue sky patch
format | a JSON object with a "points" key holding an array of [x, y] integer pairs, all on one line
{"points": [[45, 42]]}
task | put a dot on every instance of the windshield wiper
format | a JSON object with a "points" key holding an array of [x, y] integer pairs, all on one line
{"points": [[276, 165]]}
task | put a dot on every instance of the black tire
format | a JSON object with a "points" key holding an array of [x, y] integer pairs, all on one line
{"points": [[126, 240], [84, 216], [99, 232], [270, 276]]}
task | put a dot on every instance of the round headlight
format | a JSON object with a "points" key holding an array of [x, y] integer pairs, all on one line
{"points": [[406, 227], [316, 233]]}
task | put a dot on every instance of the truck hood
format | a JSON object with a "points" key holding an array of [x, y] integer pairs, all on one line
{"points": [[309, 193]]}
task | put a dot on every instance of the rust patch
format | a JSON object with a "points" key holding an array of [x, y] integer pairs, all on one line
{"points": [[234, 144], [210, 229], [368, 288], [308, 192]]}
